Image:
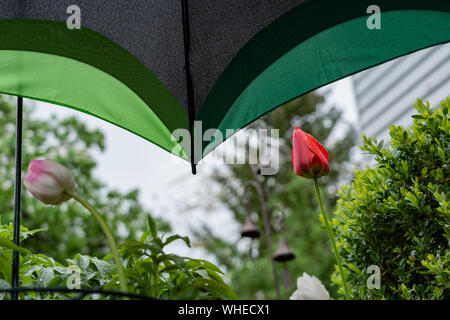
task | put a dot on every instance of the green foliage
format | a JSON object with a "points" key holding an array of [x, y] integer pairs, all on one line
{"points": [[150, 271], [251, 276], [396, 215], [69, 228]]}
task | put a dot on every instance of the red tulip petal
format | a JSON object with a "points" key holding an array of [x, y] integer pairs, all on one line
{"points": [[317, 148], [309, 157]]}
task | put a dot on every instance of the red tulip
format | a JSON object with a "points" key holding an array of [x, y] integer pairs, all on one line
{"points": [[309, 158]]}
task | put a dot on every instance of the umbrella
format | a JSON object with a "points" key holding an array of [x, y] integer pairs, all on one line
{"points": [[152, 67], [155, 66]]}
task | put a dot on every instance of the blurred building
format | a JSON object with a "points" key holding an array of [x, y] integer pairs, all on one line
{"points": [[385, 94]]}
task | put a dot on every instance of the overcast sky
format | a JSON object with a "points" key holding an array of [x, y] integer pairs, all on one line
{"points": [[165, 181]]}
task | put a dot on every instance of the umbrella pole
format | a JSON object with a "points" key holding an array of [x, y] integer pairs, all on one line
{"points": [[189, 84], [17, 196]]}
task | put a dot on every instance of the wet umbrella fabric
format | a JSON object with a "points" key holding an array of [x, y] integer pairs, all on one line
{"points": [[152, 67]]}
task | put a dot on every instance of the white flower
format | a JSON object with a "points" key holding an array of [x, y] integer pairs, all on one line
{"points": [[309, 288]]}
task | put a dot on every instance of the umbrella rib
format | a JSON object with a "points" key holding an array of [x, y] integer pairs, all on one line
{"points": [[189, 84]]}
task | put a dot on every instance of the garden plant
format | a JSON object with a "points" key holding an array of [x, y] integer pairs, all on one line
{"points": [[396, 216], [150, 271]]}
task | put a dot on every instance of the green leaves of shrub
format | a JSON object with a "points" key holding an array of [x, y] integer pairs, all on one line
{"points": [[396, 215]]}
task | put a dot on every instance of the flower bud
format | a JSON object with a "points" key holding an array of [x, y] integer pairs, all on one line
{"points": [[47, 181], [309, 158]]}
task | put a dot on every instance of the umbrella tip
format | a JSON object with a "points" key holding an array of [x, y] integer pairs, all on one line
{"points": [[194, 168]]}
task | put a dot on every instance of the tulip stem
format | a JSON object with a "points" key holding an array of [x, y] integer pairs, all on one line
{"points": [[333, 242], [109, 236]]}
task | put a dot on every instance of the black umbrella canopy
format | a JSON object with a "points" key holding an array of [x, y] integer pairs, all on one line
{"points": [[152, 67], [152, 31]]}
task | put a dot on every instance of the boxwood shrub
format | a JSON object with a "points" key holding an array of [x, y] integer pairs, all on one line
{"points": [[395, 215]]}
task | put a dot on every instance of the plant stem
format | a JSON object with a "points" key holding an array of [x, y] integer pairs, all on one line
{"points": [[109, 236], [333, 243], [155, 277]]}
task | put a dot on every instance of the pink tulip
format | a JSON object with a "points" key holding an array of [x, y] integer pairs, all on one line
{"points": [[47, 181]]}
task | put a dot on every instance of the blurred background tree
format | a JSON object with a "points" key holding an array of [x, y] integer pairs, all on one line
{"points": [[251, 276], [69, 228]]}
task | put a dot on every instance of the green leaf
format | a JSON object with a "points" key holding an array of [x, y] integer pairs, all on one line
{"points": [[213, 275], [5, 265], [10, 245], [45, 276], [219, 289], [3, 285], [25, 233], [108, 257], [56, 281], [209, 266], [177, 259], [102, 266], [144, 235], [31, 270], [84, 261], [133, 244], [152, 226], [176, 237]]}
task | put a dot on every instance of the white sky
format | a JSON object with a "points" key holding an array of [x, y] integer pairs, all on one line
{"points": [[165, 182]]}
